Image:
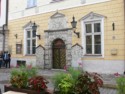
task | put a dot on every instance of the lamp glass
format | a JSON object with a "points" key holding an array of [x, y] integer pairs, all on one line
{"points": [[73, 23], [34, 27]]}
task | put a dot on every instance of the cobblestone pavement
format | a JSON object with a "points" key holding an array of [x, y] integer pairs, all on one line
{"points": [[5, 76]]}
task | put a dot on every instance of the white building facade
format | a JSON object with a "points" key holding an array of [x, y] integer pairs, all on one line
{"points": [[3, 25]]}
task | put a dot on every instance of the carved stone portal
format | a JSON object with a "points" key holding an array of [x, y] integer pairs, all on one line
{"points": [[57, 30], [57, 22]]}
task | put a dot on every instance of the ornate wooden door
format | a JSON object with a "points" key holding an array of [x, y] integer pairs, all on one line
{"points": [[59, 54]]}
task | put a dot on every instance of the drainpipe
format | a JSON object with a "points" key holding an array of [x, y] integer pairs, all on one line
{"points": [[7, 7], [3, 30], [124, 35]]}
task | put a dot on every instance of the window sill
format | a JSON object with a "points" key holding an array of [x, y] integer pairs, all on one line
{"points": [[93, 56], [30, 55], [31, 7]]}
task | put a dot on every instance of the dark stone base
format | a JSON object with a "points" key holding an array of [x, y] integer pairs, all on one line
{"points": [[28, 91]]}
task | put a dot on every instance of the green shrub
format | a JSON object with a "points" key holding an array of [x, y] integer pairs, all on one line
{"points": [[64, 81], [77, 82], [66, 85], [74, 73], [121, 85], [30, 71], [19, 77], [58, 78]]}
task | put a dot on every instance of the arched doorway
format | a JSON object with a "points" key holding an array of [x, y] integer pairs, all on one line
{"points": [[59, 54]]}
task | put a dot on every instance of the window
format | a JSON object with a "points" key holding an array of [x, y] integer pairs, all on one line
{"points": [[93, 38], [93, 34], [31, 3], [30, 42]]}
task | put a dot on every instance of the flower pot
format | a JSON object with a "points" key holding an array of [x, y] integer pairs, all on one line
{"points": [[28, 91]]}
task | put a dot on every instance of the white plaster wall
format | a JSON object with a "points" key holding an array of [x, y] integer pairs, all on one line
{"points": [[28, 61], [103, 66], [18, 8], [1, 42], [3, 12]]}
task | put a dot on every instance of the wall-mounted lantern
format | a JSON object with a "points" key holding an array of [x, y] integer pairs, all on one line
{"points": [[34, 28], [74, 23], [16, 36], [113, 26]]}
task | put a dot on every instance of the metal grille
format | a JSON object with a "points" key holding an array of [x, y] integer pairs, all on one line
{"points": [[59, 54]]}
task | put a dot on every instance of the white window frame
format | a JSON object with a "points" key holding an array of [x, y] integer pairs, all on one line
{"points": [[83, 23], [25, 41], [31, 3]]}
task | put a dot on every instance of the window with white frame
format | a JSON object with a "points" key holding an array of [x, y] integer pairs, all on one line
{"points": [[93, 34], [31, 3], [30, 42]]}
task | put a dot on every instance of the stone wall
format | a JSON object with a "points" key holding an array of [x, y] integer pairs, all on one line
{"points": [[40, 52], [76, 55]]}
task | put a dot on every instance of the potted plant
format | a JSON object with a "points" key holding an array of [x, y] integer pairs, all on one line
{"points": [[22, 78], [77, 82]]}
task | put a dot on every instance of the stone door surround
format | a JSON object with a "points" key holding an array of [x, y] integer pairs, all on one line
{"points": [[50, 36]]}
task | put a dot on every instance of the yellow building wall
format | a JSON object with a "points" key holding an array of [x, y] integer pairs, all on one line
{"points": [[113, 10]]}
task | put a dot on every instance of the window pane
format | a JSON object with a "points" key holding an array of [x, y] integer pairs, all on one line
{"points": [[34, 2], [97, 39], [97, 44], [88, 39], [34, 42], [28, 34], [88, 49], [97, 49], [33, 50], [89, 44], [28, 46], [28, 50], [31, 3], [88, 28], [33, 33], [28, 42], [97, 27], [33, 46]]}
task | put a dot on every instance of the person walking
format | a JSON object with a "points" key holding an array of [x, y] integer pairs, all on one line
{"points": [[5, 58], [1, 59], [9, 59]]}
